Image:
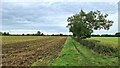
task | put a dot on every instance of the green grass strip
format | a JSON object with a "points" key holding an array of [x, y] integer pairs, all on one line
{"points": [[74, 54]]}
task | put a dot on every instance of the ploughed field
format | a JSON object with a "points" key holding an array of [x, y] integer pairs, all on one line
{"points": [[25, 50]]}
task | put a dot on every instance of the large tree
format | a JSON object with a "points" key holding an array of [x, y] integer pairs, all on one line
{"points": [[83, 24]]}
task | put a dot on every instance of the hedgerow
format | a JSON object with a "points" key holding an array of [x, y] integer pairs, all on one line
{"points": [[99, 47]]}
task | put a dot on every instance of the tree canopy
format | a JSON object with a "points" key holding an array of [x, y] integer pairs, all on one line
{"points": [[117, 34], [38, 33], [83, 24]]}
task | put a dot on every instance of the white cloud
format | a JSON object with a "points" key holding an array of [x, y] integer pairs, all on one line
{"points": [[115, 1], [48, 18]]}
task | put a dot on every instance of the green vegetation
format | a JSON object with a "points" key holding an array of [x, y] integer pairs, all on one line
{"points": [[83, 24], [99, 47], [117, 34], [0, 33], [108, 41], [74, 54]]}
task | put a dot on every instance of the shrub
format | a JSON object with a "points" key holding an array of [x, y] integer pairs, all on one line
{"points": [[99, 47]]}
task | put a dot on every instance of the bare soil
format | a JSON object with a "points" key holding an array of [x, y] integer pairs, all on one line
{"points": [[26, 53]]}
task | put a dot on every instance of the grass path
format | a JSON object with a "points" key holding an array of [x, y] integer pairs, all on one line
{"points": [[74, 54]]}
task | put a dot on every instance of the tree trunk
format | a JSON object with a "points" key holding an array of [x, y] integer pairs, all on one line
{"points": [[78, 38]]}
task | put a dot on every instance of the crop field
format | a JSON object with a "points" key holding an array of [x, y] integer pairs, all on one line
{"points": [[59, 34], [15, 39], [109, 41], [54, 51], [25, 50]]}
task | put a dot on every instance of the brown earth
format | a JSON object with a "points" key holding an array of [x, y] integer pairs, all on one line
{"points": [[26, 53]]}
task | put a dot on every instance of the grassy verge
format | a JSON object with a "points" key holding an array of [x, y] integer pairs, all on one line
{"points": [[73, 54], [108, 41]]}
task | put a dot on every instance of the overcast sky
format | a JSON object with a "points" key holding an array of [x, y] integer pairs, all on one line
{"points": [[50, 16]]}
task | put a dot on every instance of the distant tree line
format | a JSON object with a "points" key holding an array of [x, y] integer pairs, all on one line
{"points": [[107, 35], [117, 34], [4, 33], [35, 34], [60, 35], [8, 34], [42, 34]]}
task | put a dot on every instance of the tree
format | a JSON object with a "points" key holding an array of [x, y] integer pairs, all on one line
{"points": [[4, 33], [52, 35], [83, 24], [7, 33], [0, 33], [23, 34], [33, 34], [42, 34], [38, 33], [117, 34], [61, 34], [28, 34]]}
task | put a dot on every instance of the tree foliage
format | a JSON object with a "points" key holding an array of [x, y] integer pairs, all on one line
{"points": [[0, 33], [5, 33], [117, 34], [38, 33], [83, 24]]}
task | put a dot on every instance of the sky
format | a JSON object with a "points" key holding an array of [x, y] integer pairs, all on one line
{"points": [[50, 16]]}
